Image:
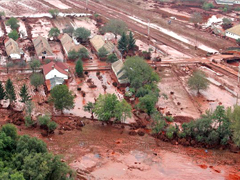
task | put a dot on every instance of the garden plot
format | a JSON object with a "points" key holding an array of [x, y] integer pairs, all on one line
{"points": [[91, 94], [86, 23], [37, 97], [22, 30], [24, 46], [63, 22], [40, 26], [58, 4], [178, 100]]}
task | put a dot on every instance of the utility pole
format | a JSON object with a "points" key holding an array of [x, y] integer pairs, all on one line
{"points": [[86, 3]]}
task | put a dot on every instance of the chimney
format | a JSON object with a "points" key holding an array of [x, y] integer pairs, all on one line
{"points": [[53, 66]]}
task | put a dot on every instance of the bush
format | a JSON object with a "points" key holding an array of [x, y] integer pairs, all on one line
{"points": [[13, 23], [44, 120], [52, 125], [171, 130], [13, 34], [28, 121], [159, 126], [169, 118], [181, 134], [141, 92], [83, 53], [72, 55]]}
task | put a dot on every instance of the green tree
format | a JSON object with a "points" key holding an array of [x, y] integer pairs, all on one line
{"points": [[34, 64], [47, 122], [198, 81], [62, 98], [83, 53], [139, 72], [108, 107], [2, 13], [28, 121], [115, 26], [89, 108], [207, 6], [147, 103], [10, 130], [2, 92], [82, 34], [102, 53], [123, 43], [54, 13], [112, 58], [17, 176], [238, 41], [79, 67], [69, 30], [196, 18], [54, 32], [13, 23], [72, 55], [131, 41], [37, 80], [10, 92], [227, 23], [29, 107], [24, 94], [13, 34], [234, 116]]}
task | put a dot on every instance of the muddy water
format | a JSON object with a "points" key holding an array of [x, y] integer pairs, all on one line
{"points": [[110, 153]]}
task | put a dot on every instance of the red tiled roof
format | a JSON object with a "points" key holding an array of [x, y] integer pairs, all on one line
{"points": [[48, 67], [61, 65]]}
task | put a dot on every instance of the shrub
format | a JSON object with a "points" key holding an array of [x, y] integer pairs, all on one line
{"points": [[28, 121], [169, 118], [171, 130]]}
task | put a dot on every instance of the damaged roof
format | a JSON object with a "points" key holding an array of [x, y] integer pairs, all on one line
{"points": [[41, 45], [119, 71], [98, 42], [68, 44], [11, 47]]}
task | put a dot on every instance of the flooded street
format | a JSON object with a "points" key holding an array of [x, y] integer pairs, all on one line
{"points": [[109, 152]]}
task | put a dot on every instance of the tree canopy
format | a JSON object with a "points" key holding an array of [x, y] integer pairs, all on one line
{"points": [[108, 107], [37, 80], [54, 32], [139, 72], [198, 81], [2, 91], [24, 94], [26, 158], [123, 43], [13, 23], [79, 67], [82, 34], [10, 91], [13, 34], [115, 26], [34, 64], [62, 97], [54, 13], [196, 18]]}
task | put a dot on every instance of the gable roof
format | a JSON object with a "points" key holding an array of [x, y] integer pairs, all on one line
{"points": [[119, 71], [234, 30], [68, 43], [58, 66], [11, 47], [41, 44], [98, 42]]}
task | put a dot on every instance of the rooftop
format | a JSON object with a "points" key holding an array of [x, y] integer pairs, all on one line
{"points": [[57, 65], [12, 47], [41, 45], [118, 69], [234, 30]]}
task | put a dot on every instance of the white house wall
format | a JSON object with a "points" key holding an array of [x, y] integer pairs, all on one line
{"points": [[15, 56], [56, 73], [231, 35]]}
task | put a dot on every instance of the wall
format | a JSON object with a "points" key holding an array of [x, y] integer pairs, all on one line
{"points": [[231, 35]]}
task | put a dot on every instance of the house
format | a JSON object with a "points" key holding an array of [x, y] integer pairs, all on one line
{"points": [[98, 42], [12, 49], [227, 2], [120, 73], [43, 48], [68, 44], [233, 32], [55, 73]]}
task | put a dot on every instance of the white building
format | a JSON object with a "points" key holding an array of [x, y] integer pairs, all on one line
{"points": [[228, 2], [55, 73], [233, 32]]}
